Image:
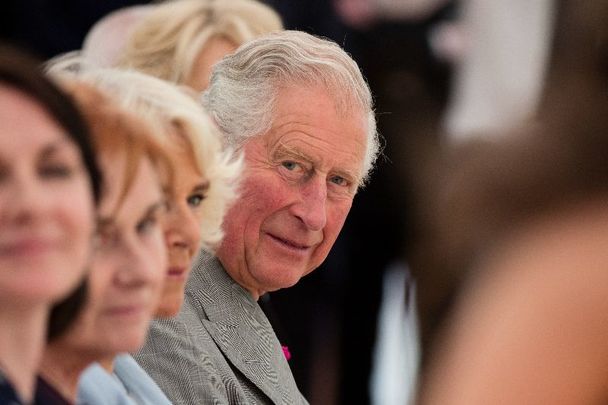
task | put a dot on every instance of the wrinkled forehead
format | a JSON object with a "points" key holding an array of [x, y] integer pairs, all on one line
{"points": [[346, 100], [338, 104], [308, 121]]}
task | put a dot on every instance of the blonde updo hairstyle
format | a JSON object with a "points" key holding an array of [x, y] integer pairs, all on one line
{"points": [[168, 40]]}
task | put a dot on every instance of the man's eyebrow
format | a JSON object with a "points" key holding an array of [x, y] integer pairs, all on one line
{"points": [[284, 151], [347, 174]]}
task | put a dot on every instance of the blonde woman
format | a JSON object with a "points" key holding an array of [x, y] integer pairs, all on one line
{"points": [[181, 40]]}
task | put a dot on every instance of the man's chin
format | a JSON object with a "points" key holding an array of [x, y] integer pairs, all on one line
{"points": [[279, 278]]}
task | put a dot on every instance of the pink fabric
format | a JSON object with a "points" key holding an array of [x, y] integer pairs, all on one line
{"points": [[286, 352]]}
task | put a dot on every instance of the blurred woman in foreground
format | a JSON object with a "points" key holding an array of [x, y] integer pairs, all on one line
{"points": [[48, 184]]}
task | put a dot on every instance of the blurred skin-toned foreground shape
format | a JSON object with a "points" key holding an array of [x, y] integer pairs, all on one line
{"points": [[532, 329], [531, 326]]}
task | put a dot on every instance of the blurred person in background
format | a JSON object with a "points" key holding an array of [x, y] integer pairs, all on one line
{"points": [[526, 215], [531, 225], [498, 81], [50, 183], [302, 115], [129, 260], [205, 179], [180, 40], [106, 39]]}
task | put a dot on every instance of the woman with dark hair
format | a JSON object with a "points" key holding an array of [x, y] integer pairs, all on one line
{"points": [[49, 182]]}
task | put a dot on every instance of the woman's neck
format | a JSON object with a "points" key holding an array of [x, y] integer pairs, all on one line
{"points": [[22, 340], [107, 364], [62, 366]]}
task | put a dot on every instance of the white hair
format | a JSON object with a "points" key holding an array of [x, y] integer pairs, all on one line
{"points": [[171, 109], [243, 86]]}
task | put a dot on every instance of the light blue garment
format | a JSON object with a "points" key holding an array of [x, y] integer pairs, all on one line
{"points": [[138, 383], [129, 385], [97, 387]]}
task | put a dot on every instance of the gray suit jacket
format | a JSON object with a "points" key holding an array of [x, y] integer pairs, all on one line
{"points": [[220, 348]]}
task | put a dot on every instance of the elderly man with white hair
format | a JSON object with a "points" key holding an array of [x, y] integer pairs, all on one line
{"points": [[300, 111]]}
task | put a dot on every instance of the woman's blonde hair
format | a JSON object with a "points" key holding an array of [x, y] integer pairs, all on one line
{"points": [[172, 110], [168, 40]]}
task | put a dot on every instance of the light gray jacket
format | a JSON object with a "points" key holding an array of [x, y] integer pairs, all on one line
{"points": [[220, 349]]}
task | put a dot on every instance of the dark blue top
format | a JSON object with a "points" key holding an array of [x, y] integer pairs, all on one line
{"points": [[8, 395], [46, 394]]}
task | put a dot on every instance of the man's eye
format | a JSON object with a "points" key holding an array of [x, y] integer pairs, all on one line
{"points": [[338, 180], [195, 200], [289, 165]]}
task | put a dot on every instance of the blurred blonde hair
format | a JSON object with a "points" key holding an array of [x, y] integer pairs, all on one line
{"points": [[174, 111], [167, 41]]}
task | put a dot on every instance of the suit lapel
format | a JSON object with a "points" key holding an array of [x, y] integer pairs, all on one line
{"points": [[240, 329]]}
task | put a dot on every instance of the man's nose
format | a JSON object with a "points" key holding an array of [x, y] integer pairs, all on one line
{"points": [[312, 208]]}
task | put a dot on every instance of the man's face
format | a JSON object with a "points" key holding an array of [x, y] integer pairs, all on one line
{"points": [[300, 180]]}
